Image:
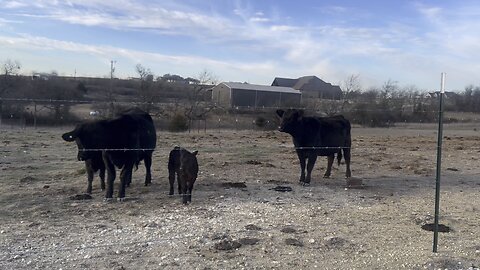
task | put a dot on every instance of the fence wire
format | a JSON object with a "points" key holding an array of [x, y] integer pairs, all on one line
{"points": [[7, 252]]}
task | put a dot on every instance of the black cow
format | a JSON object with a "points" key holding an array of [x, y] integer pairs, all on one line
{"points": [[92, 165], [183, 164], [317, 136], [123, 141]]}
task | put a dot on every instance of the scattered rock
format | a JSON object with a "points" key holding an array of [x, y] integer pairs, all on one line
{"points": [[254, 162], [227, 245], [293, 242]]}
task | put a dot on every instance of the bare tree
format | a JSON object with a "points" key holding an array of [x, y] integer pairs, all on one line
{"points": [[196, 108], [147, 89], [9, 69], [350, 87]]}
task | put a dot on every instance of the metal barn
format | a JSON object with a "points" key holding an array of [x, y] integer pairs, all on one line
{"points": [[231, 95]]}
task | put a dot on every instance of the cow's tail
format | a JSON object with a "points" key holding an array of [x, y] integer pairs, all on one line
{"points": [[339, 156]]}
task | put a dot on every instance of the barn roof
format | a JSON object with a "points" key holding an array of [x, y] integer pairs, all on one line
{"points": [[257, 87], [284, 82]]}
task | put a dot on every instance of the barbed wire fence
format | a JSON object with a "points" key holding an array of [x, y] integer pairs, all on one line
{"points": [[30, 112], [16, 124]]}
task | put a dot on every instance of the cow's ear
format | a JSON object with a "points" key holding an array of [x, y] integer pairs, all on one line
{"points": [[70, 136], [280, 113], [195, 152]]}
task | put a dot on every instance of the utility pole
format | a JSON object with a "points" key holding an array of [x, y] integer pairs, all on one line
{"points": [[110, 90]]}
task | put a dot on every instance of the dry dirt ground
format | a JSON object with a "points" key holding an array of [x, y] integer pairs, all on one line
{"points": [[237, 219]]}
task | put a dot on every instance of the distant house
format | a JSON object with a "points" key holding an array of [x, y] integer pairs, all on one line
{"points": [[233, 94], [311, 87], [41, 76]]}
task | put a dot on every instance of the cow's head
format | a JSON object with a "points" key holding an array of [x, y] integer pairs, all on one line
{"points": [[77, 136], [289, 120]]}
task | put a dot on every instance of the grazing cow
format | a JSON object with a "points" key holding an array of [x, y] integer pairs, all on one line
{"points": [[183, 164], [123, 141], [317, 136], [92, 165]]}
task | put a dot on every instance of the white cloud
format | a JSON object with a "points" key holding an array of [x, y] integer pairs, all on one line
{"points": [[444, 38], [36, 45], [13, 4], [259, 19]]}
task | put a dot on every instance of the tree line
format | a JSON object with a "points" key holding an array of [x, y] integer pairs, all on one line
{"points": [[49, 99]]}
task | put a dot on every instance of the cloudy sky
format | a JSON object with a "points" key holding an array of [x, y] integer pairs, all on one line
{"points": [[253, 41]]}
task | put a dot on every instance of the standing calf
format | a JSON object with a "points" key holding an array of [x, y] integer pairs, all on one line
{"points": [[183, 164]]}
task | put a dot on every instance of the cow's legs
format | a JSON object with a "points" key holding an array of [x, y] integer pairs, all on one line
{"points": [[190, 189], [110, 178], [182, 180], [171, 180], [179, 184], [302, 159], [128, 180], [90, 174], [148, 164], [125, 177], [101, 174], [346, 153], [329, 166], [311, 162]]}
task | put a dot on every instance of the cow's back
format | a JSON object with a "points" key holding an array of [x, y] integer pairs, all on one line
{"points": [[143, 126], [323, 133]]}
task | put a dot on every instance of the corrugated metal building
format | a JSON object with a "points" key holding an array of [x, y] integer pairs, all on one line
{"points": [[311, 87], [231, 94]]}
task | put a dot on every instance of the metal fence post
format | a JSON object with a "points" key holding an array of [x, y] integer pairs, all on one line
{"points": [[439, 162]]}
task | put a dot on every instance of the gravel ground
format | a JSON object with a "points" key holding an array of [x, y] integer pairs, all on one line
{"points": [[239, 217]]}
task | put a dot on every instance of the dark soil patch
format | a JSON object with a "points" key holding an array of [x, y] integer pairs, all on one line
{"points": [[234, 185], [28, 179], [252, 227], [248, 241], [335, 242], [293, 242], [80, 197], [282, 188], [227, 245], [431, 227], [288, 230]]}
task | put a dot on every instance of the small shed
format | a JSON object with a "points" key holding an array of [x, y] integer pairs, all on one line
{"points": [[233, 94]]}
